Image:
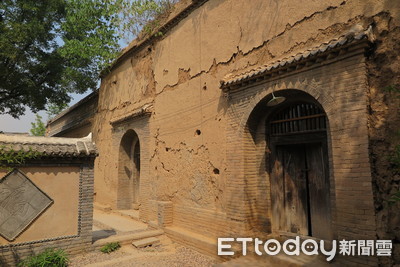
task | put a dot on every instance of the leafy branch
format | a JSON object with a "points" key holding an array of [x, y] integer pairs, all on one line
{"points": [[51, 48], [142, 16], [38, 127], [10, 157]]}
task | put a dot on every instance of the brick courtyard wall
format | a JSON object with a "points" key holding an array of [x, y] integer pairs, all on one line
{"points": [[78, 242], [64, 173]]}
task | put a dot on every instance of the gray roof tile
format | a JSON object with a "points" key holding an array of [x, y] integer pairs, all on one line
{"points": [[50, 146], [292, 59]]}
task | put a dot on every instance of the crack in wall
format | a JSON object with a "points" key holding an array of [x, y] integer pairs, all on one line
{"points": [[240, 54], [183, 167], [196, 180]]}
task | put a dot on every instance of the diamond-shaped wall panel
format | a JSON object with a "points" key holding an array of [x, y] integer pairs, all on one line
{"points": [[21, 202]]}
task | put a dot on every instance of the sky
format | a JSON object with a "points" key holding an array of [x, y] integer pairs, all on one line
{"points": [[23, 124]]}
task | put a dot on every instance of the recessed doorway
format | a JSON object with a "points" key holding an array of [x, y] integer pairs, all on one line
{"points": [[129, 171], [300, 189]]}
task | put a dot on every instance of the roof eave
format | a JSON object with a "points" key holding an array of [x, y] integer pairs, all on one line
{"points": [[294, 66]]}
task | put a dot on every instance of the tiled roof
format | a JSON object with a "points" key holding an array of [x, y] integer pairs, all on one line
{"points": [[76, 105], [50, 146], [291, 61], [143, 110]]}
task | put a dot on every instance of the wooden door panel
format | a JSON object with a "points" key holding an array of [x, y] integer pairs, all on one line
{"points": [[277, 188], [319, 191], [295, 190], [300, 190], [289, 192]]}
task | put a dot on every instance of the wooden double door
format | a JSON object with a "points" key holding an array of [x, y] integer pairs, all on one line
{"points": [[300, 191]]}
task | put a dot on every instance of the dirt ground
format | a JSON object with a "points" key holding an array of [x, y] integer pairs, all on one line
{"points": [[165, 254]]}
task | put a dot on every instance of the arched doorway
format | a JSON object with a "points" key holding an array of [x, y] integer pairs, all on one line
{"points": [[296, 134], [135, 157], [129, 171]]}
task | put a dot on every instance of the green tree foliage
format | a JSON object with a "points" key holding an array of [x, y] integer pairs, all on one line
{"points": [[90, 35], [38, 127], [142, 16], [30, 69], [54, 47]]}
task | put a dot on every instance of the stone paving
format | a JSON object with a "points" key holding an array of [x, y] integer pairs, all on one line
{"points": [[167, 254], [120, 226], [112, 220], [116, 226]]}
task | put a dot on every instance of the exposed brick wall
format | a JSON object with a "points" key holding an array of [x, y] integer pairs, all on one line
{"points": [[165, 213], [340, 87], [140, 126], [206, 222]]}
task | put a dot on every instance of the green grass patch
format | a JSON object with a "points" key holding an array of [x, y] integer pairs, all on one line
{"points": [[110, 247], [48, 258]]}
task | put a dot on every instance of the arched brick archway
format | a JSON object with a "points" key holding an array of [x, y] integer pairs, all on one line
{"points": [[129, 171], [296, 160], [340, 89], [253, 170], [129, 132], [248, 201], [249, 198]]}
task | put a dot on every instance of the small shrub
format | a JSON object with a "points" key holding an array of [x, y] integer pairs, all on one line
{"points": [[110, 247], [49, 258]]}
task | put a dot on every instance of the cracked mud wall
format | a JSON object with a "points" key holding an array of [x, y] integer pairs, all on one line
{"points": [[384, 124], [180, 74]]}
